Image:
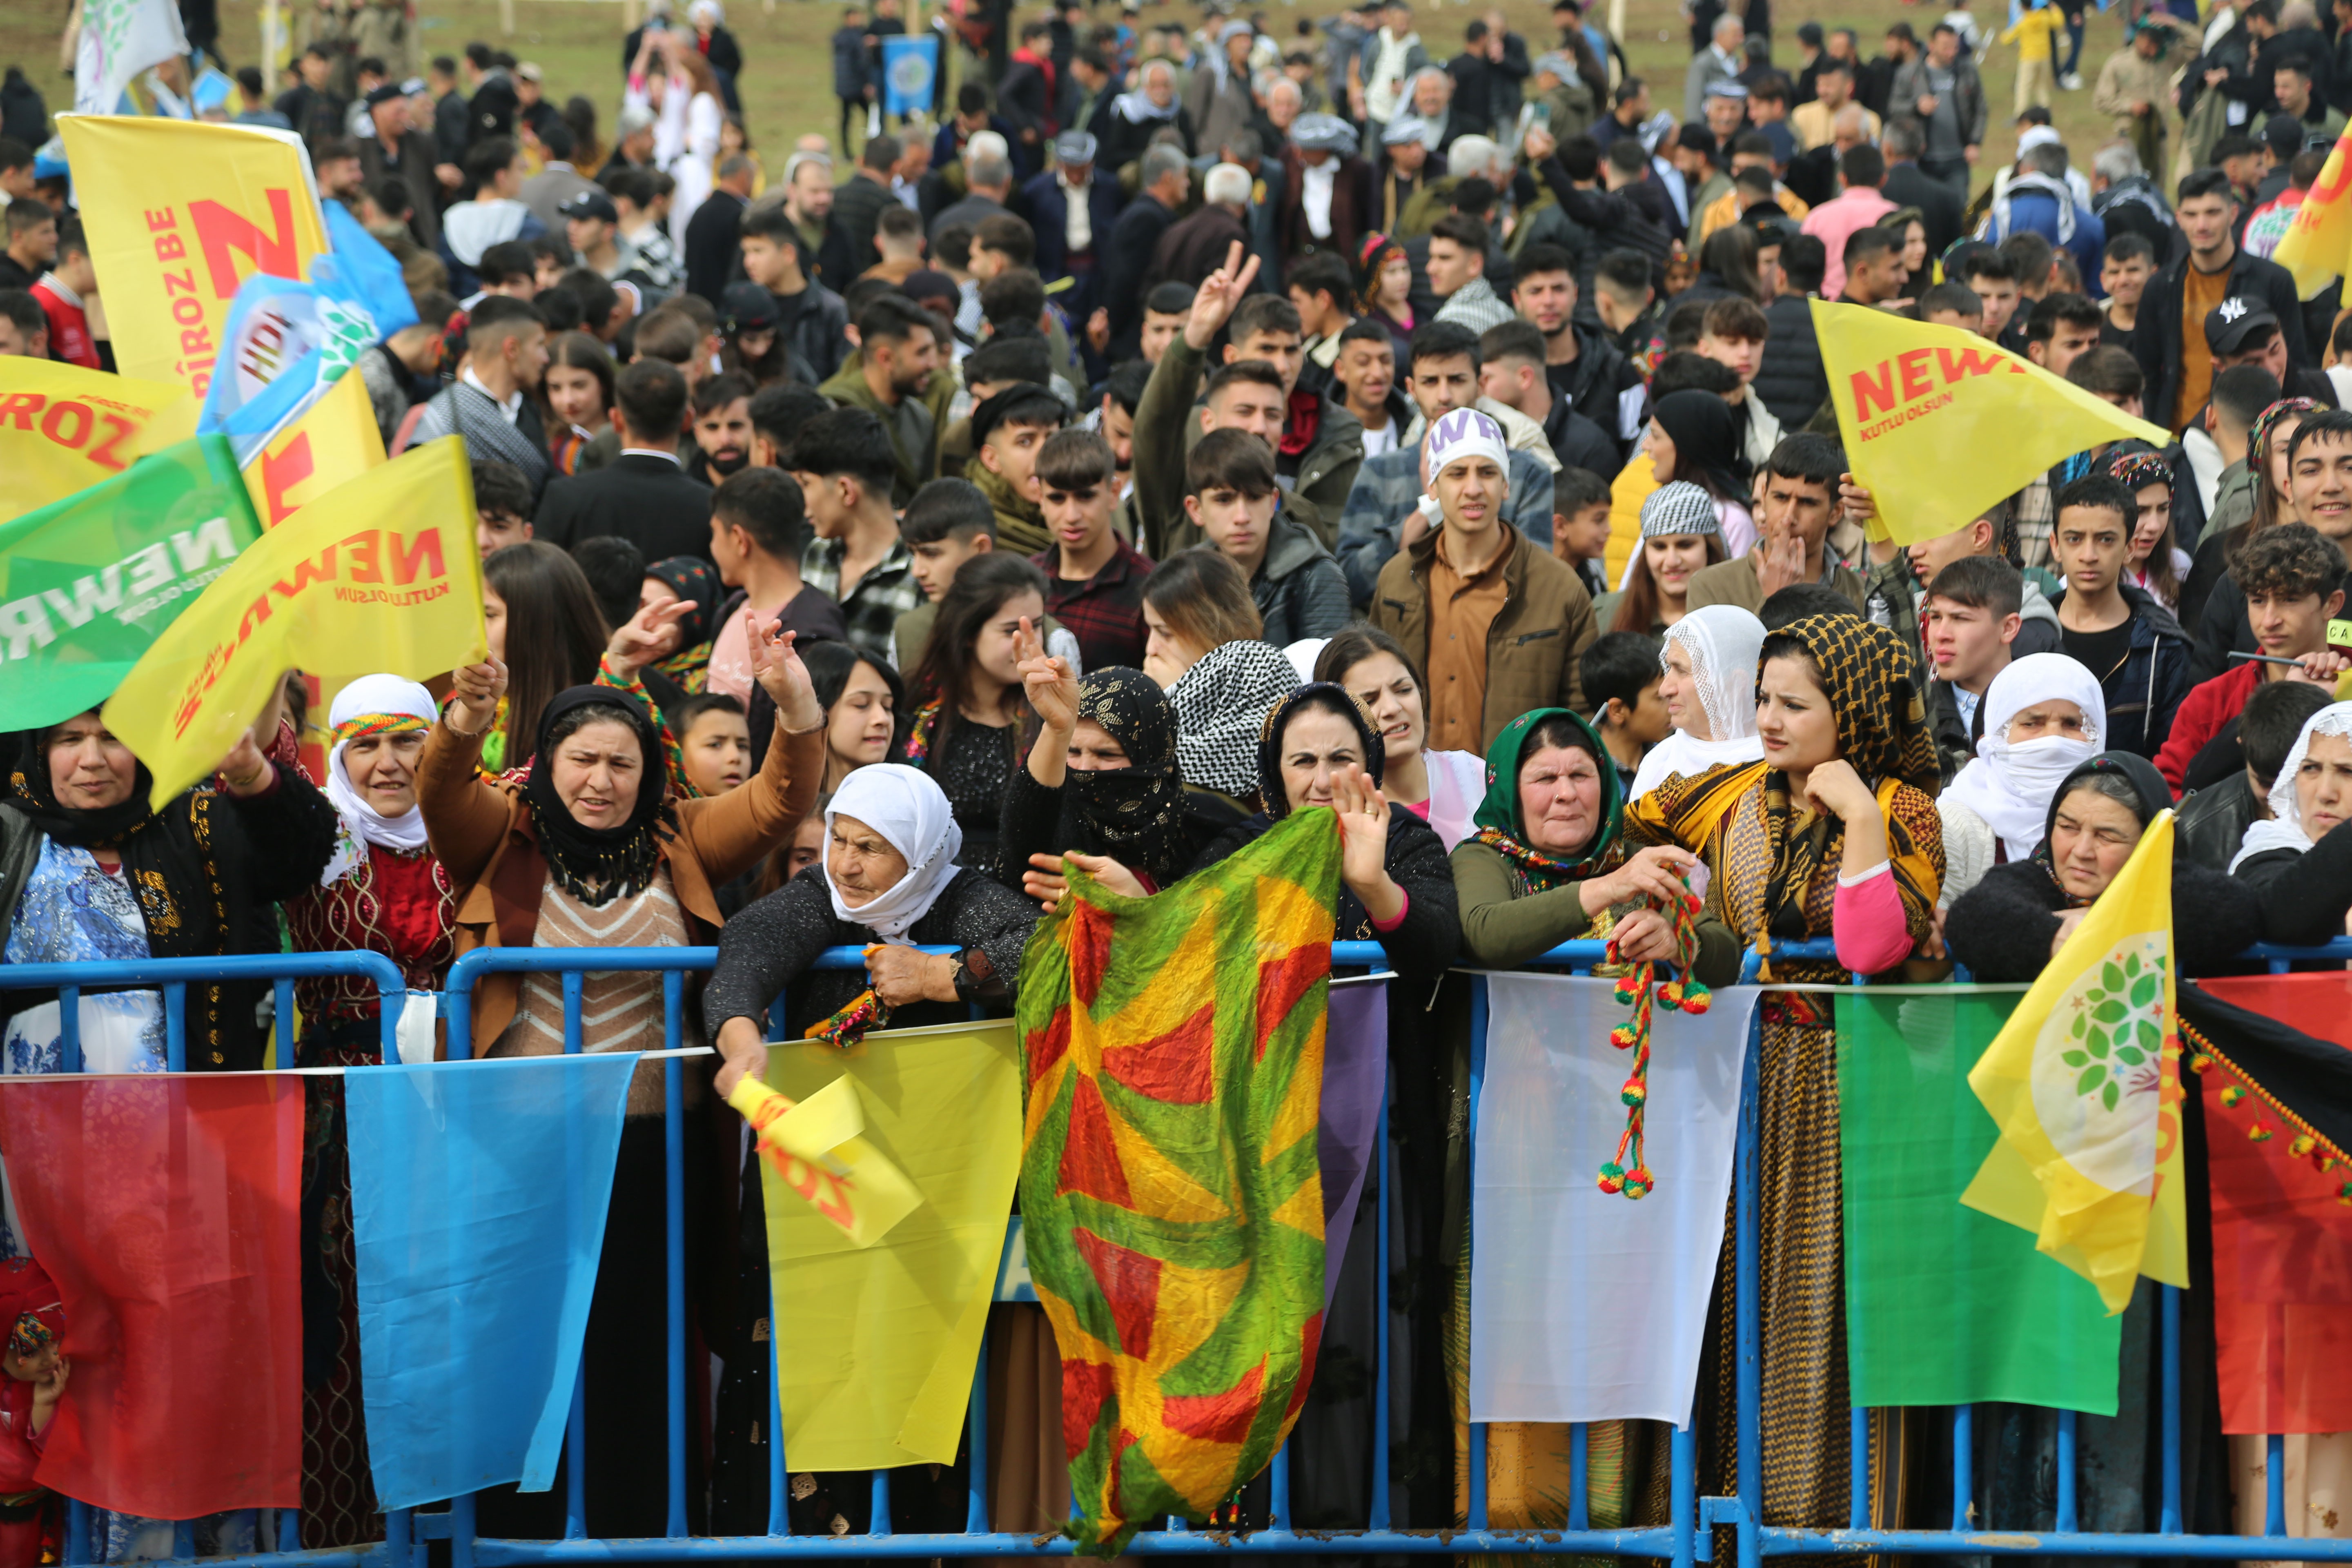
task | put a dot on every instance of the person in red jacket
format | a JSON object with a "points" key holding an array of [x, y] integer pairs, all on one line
{"points": [[2290, 575], [36, 1371], [64, 292]]}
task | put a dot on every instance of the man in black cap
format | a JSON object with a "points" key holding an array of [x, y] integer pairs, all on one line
{"points": [[397, 153], [591, 224], [2244, 330], [1072, 208]]}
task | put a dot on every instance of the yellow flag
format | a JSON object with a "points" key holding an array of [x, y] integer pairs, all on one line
{"points": [[329, 443], [2317, 246], [381, 574], [815, 1148], [2085, 1084], [64, 428], [883, 1339], [191, 211], [1940, 424]]}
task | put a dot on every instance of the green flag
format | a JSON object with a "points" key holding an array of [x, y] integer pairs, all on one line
{"points": [[88, 583], [1944, 1305]]}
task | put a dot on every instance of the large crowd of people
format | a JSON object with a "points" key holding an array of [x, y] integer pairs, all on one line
{"points": [[1182, 426]]}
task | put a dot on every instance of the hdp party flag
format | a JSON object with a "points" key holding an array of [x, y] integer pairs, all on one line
{"points": [[479, 1196], [378, 574], [191, 211], [1169, 1187], [2084, 1083], [167, 1208], [1944, 1305], [64, 428], [1940, 424], [818, 1148], [2273, 1056], [119, 39], [1560, 1261], [331, 442], [2317, 246], [883, 1337], [88, 583]]}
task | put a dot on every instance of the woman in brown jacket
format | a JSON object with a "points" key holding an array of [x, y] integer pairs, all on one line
{"points": [[589, 849]]}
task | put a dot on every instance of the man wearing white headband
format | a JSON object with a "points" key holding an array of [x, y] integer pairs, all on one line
{"points": [[1497, 622]]}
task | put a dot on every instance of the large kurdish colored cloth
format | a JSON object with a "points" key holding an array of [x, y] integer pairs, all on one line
{"points": [[1173, 1048]]}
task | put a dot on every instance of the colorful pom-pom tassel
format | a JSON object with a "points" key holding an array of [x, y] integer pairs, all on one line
{"points": [[2233, 1094], [2259, 1133]]}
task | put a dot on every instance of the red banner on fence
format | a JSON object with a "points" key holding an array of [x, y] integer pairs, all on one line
{"points": [[168, 1211]]}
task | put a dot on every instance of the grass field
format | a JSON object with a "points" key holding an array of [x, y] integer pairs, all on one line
{"points": [[788, 80]]}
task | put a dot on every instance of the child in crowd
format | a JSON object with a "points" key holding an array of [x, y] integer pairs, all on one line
{"points": [[948, 524], [1621, 672], [501, 506], [1953, 305], [1579, 525], [37, 1372], [715, 741]]}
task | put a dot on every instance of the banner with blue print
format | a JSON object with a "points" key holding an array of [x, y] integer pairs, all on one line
{"points": [[909, 68], [479, 1194]]}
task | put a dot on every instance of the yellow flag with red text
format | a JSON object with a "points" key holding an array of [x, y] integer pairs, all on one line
{"points": [[2317, 246], [2085, 1083], [189, 211], [332, 441], [64, 428], [1940, 424], [380, 574]]}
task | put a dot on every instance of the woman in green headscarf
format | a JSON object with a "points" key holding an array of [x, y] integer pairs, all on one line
{"points": [[1548, 863]]}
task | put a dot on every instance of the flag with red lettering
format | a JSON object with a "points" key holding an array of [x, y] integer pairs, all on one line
{"points": [[64, 428], [378, 574], [191, 211], [88, 583], [2317, 246], [2272, 1057], [1940, 424], [166, 1209]]}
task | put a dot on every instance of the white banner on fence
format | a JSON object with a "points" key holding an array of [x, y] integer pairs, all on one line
{"points": [[1584, 1304]]}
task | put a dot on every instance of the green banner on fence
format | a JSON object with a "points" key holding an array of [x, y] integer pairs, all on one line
{"points": [[1946, 1305]]}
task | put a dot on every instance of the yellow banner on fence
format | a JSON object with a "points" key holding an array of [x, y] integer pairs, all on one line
{"points": [[191, 211], [379, 575], [331, 442], [1940, 424], [2085, 1083], [64, 428], [883, 1337]]}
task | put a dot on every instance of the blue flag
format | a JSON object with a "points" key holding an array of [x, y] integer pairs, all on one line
{"points": [[909, 66], [477, 1260]]}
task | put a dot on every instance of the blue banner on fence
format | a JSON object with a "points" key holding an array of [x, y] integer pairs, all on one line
{"points": [[479, 1192], [909, 67]]}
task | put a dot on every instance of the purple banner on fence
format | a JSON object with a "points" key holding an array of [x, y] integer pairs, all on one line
{"points": [[1355, 1071]]}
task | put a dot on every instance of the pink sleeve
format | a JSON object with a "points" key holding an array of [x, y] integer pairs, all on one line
{"points": [[1404, 909], [1872, 932]]}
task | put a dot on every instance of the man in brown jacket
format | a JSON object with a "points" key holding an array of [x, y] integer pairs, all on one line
{"points": [[1497, 623]]}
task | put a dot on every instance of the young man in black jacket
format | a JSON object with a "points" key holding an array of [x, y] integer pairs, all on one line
{"points": [[2168, 339]]}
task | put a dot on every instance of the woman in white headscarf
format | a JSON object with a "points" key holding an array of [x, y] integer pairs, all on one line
{"points": [[2045, 717], [1709, 690], [887, 881], [2299, 862]]}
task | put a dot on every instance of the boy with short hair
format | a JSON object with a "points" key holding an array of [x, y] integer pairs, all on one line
{"points": [[844, 465], [1007, 430], [948, 524], [2124, 267], [759, 528], [2213, 820], [714, 742], [2117, 631], [1970, 620], [1732, 334], [1953, 305], [1580, 524], [1992, 278], [2289, 574], [501, 506], [1232, 497], [1621, 672], [1094, 579], [1364, 374]]}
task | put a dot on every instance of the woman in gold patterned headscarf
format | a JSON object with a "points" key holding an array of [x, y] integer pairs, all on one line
{"points": [[1834, 832]]}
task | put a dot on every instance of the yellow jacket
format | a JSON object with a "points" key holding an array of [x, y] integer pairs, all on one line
{"points": [[1724, 210], [2034, 32]]}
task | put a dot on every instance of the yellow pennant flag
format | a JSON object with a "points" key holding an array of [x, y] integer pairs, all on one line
{"points": [[64, 428], [815, 1147], [2317, 246], [884, 1338], [381, 574], [2085, 1084], [1940, 424], [328, 443], [191, 211]]}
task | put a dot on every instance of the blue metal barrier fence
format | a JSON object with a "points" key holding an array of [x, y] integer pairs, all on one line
{"points": [[1688, 1538]]}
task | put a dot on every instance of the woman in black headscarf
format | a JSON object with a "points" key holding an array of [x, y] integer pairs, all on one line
{"points": [[683, 661], [1694, 436], [1102, 780], [89, 872], [2012, 922]]}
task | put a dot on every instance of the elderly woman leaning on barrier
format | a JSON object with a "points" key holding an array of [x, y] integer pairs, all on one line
{"points": [[1548, 863], [2299, 863], [2013, 921], [591, 850], [887, 881]]}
